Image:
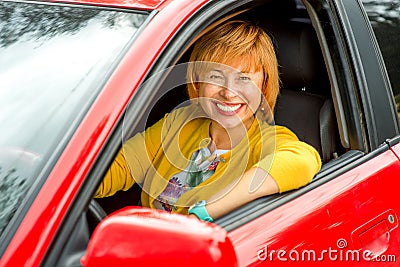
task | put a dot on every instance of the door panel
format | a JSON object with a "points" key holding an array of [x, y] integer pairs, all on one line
{"points": [[334, 223]]}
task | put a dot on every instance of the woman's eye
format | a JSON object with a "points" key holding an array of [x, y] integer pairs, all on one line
{"points": [[216, 77], [244, 78]]}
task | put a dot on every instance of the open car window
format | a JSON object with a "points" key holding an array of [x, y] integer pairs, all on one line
{"points": [[305, 104]]}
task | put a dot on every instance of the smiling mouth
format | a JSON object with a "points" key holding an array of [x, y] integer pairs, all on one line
{"points": [[231, 108]]}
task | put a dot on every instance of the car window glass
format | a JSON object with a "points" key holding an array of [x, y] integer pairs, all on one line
{"points": [[384, 16], [53, 62]]}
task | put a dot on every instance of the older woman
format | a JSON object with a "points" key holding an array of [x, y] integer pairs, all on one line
{"points": [[222, 151]]}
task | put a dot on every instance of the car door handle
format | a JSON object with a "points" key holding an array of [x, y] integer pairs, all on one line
{"points": [[374, 236]]}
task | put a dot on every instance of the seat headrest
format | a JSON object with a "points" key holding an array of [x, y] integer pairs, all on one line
{"points": [[299, 56]]}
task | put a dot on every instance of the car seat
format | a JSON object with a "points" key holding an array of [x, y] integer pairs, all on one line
{"points": [[304, 104]]}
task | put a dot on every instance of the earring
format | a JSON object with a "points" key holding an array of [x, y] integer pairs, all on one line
{"points": [[262, 103]]}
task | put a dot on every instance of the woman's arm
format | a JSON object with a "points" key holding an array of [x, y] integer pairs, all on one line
{"points": [[293, 165], [132, 161], [252, 184]]}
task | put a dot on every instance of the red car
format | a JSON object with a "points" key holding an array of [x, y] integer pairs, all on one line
{"points": [[77, 75]]}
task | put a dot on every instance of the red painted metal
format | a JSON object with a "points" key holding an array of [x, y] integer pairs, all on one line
{"points": [[137, 236], [37, 230], [131, 4], [396, 150], [318, 220], [325, 219]]}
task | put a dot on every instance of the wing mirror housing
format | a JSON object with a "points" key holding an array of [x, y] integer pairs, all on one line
{"points": [[136, 236]]}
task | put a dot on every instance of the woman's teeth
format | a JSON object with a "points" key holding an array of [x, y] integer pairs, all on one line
{"points": [[231, 108]]}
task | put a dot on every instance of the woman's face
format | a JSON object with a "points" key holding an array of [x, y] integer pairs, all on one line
{"points": [[231, 96]]}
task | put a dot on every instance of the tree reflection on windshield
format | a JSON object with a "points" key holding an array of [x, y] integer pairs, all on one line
{"points": [[54, 61], [16, 20], [383, 11], [16, 166]]}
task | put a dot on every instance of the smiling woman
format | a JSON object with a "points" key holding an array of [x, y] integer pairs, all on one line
{"points": [[50, 72], [221, 151]]}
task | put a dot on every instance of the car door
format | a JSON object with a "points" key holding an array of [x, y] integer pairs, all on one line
{"points": [[339, 221], [350, 215]]}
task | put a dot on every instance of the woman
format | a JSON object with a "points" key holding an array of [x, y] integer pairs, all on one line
{"points": [[222, 151]]}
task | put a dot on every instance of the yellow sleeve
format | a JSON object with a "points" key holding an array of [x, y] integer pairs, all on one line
{"points": [[132, 162], [118, 177], [294, 162]]}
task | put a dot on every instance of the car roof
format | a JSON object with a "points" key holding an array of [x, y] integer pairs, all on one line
{"points": [[131, 4]]}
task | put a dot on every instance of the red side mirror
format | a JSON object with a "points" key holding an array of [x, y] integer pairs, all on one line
{"points": [[137, 236]]}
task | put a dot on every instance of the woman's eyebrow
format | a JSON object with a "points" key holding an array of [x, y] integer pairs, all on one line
{"points": [[217, 70], [246, 72], [235, 71]]}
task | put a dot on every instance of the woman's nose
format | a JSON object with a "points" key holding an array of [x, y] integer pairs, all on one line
{"points": [[229, 90]]}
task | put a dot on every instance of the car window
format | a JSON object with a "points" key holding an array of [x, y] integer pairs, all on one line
{"points": [[53, 62], [384, 16]]}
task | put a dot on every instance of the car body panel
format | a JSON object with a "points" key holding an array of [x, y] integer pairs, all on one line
{"points": [[325, 218], [131, 4], [340, 212], [395, 148]]}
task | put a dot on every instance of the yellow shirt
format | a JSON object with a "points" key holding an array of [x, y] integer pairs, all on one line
{"points": [[152, 157]]}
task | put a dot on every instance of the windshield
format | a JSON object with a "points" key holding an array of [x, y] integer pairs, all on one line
{"points": [[53, 62]]}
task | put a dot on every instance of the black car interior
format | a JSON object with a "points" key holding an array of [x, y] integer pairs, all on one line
{"points": [[304, 104]]}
